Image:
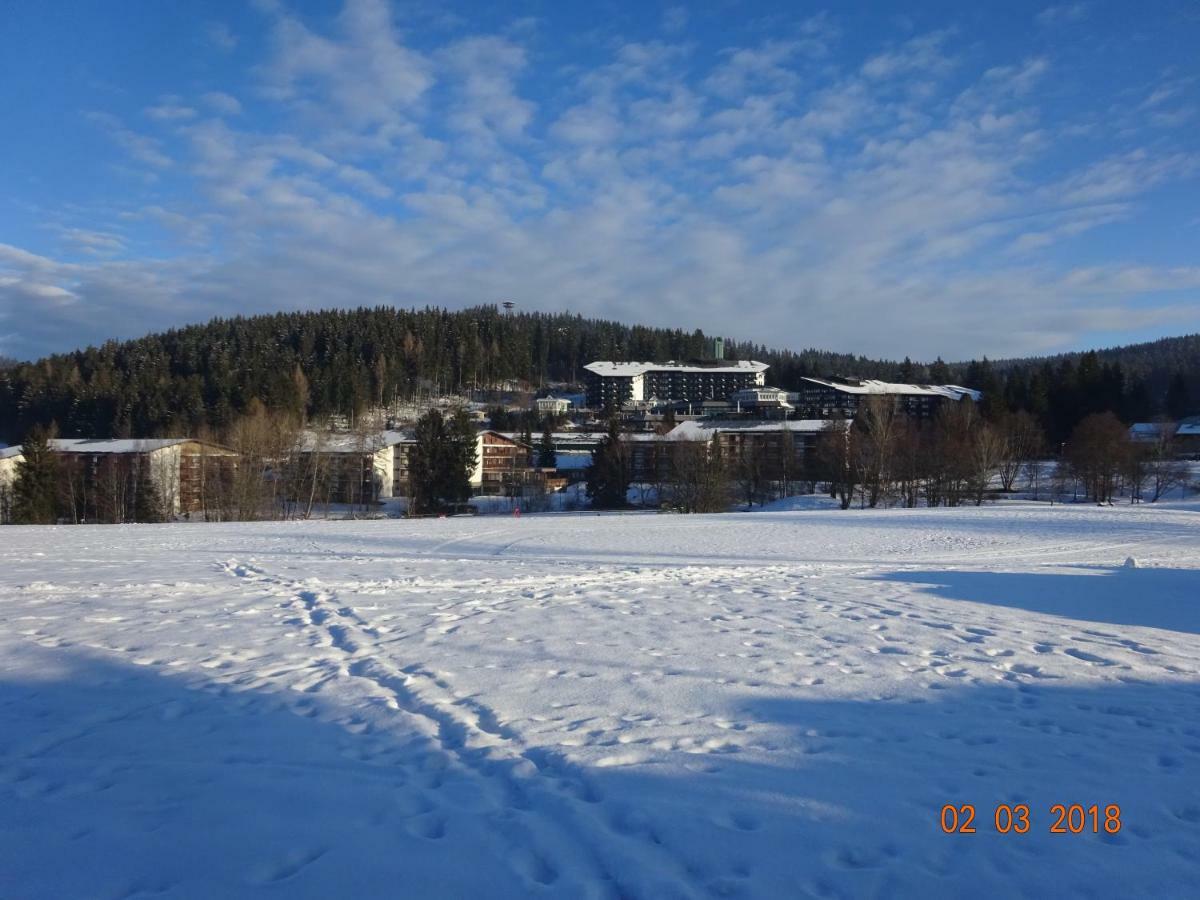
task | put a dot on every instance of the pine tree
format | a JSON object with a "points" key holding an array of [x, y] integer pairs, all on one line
{"points": [[35, 490], [608, 475], [667, 425], [1178, 401], [547, 458], [426, 463], [939, 372], [460, 458], [147, 502]]}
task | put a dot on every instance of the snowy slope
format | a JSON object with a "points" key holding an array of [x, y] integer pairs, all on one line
{"points": [[760, 705]]}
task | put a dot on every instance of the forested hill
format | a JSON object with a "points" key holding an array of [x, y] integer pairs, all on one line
{"points": [[339, 361]]}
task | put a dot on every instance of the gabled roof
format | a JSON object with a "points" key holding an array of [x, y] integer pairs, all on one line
{"points": [[115, 445]]}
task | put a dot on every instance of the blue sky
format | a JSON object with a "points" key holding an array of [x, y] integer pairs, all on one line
{"points": [[927, 179]]}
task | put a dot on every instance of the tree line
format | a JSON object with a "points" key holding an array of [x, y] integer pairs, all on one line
{"points": [[280, 468], [342, 363], [883, 458]]}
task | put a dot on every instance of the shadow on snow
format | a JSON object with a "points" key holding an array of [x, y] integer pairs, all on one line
{"points": [[129, 781], [1153, 598]]}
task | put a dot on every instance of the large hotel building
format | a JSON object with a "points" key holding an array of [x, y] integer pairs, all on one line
{"points": [[615, 383]]}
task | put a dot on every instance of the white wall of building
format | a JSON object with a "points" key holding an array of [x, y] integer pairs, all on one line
{"points": [[164, 473], [8, 470], [477, 472], [382, 465]]}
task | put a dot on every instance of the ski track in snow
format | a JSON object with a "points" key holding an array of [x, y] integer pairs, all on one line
{"points": [[760, 705]]}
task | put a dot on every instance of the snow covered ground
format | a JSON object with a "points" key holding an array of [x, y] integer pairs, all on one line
{"points": [[770, 704]]}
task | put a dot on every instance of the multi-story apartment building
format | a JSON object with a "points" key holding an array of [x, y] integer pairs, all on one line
{"points": [[782, 449], [821, 398], [611, 384]]}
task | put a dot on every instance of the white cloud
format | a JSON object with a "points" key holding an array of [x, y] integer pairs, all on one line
{"points": [[485, 71], [1062, 14], [170, 110], [96, 243], [675, 19], [923, 54], [221, 37], [594, 122], [222, 103], [891, 204], [1124, 175], [365, 74], [767, 66], [141, 148]]}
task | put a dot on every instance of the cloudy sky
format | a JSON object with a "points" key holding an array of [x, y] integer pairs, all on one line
{"points": [[937, 178]]}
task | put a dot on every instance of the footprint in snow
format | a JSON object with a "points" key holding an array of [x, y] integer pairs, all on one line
{"points": [[291, 865]]}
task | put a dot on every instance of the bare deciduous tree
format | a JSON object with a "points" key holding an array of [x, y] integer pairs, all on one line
{"points": [[1165, 470], [1022, 442], [699, 477], [835, 455], [1096, 452], [877, 422]]}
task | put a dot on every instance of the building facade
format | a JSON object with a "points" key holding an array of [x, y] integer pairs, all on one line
{"points": [[823, 398], [9, 457], [500, 461], [783, 450], [184, 471], [552, 406], [352, 468], [100, 479], [612, 384]]}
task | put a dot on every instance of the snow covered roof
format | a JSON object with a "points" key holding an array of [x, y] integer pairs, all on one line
{"points": [[641, 368], [1151, 430], [767, 396], [104, 445], [702, 431], [1148, 428], [353, 443], [871, 386], [115, 445]]}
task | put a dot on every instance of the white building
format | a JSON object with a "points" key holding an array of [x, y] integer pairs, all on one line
{"points": [[615, 383], [176, 466], [360, 467], [761, 399], [553, 406], [9, 457]]}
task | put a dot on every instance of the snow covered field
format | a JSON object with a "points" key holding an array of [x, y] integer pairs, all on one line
{"points": [[761, 705]]}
